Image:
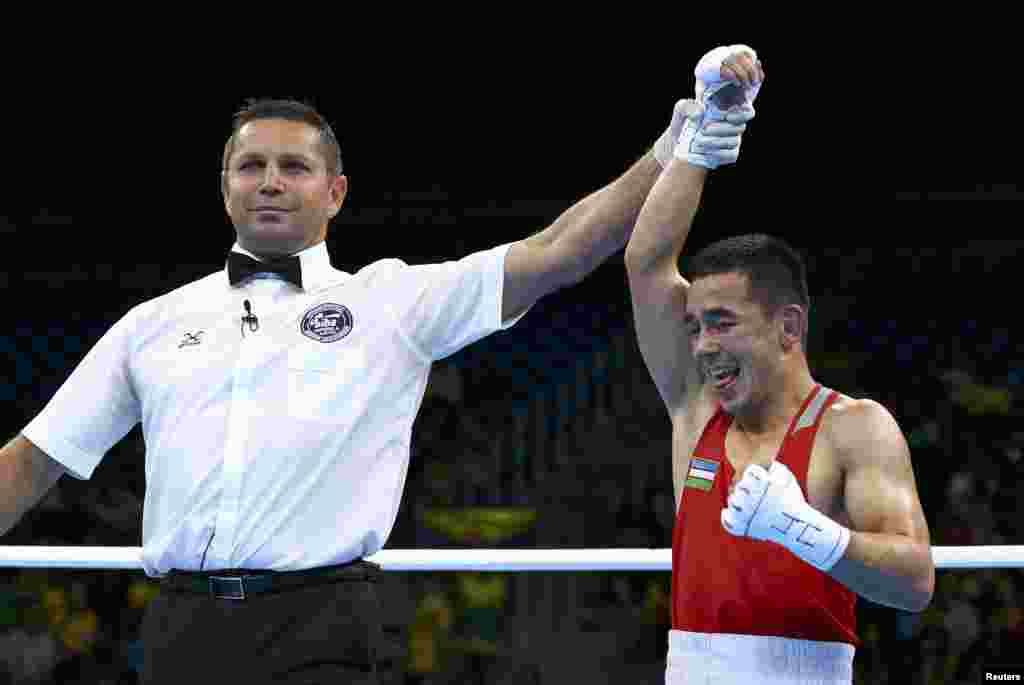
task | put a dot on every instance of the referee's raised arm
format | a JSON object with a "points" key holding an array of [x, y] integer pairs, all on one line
{"points": [[26, 475]]}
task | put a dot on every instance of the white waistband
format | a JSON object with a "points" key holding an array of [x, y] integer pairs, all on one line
{"points": [[723, 659]]}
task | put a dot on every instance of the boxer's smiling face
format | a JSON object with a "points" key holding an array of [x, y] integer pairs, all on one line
{"points": [[277, 188], [733, 342]]}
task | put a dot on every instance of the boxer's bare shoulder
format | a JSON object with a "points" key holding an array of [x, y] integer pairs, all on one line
{"points": [[863, 446], [853, 427], [825, 473]]}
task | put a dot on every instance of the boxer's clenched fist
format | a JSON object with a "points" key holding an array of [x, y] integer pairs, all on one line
{"points": [[728, 77], [728, 80], [769, 505]]}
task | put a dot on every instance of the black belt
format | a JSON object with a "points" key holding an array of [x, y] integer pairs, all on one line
{"points": [[240, 583]]}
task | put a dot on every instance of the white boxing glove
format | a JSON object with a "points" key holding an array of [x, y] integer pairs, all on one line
{"points": [[716, 98], [718, 95], [769, 505], [711, 143]]}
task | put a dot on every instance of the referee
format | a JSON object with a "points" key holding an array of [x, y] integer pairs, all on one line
{"points": [[277, 398]]}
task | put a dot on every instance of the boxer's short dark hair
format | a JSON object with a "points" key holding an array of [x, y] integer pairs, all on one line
{"points": [[775, 271]]}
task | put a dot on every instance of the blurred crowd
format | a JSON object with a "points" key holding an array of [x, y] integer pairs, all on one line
{"points": [[579, 459]]}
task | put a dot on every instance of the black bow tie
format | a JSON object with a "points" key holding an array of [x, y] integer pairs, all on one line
{"points": [[242, 266]]}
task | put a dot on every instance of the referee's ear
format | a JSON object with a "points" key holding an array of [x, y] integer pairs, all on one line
{"points": [[224, 187], [338, 189]]}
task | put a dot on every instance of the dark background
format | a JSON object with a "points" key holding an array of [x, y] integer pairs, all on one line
{"points": [[911, 244]]}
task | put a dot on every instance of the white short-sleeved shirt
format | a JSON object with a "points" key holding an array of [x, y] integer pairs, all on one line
{"points": [[285, 448]]}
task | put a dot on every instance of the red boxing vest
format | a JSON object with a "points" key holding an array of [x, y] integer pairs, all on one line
{"points": [[727, 584]]}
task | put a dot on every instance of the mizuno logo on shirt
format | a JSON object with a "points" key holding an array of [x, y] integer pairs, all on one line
{"points": [[191, 339]]}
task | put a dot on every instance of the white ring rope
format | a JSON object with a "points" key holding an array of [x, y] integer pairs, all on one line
{"points": [[617, 559]]}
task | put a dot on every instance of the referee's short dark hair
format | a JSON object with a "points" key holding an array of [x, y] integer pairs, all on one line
{"points": [[292, 110]]}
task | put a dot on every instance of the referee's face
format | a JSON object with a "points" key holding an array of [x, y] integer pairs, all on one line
{"points": [[277, 189]]}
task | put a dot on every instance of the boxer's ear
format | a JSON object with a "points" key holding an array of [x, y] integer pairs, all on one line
{"points": [[792, 322]]}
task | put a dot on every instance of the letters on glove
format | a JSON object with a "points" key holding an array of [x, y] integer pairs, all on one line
{"points": [[769, 505]]}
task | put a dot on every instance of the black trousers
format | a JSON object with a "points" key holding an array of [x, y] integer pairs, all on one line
{"points": [[311, 635]]}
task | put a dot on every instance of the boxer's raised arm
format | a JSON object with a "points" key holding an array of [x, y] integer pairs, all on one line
{"points": [[657, 289]]}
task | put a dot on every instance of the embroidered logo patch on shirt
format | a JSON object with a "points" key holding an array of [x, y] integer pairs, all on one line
{"points": [[326, 322], [702, 473]]}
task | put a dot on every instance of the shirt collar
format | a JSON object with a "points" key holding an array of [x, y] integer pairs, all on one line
{"points": [[316, 265]]}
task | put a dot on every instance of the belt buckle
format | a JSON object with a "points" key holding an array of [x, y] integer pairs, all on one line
{"points": [[241, 587]]}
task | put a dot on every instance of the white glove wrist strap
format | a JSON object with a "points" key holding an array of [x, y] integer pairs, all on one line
{"points": [[810, 535]]}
